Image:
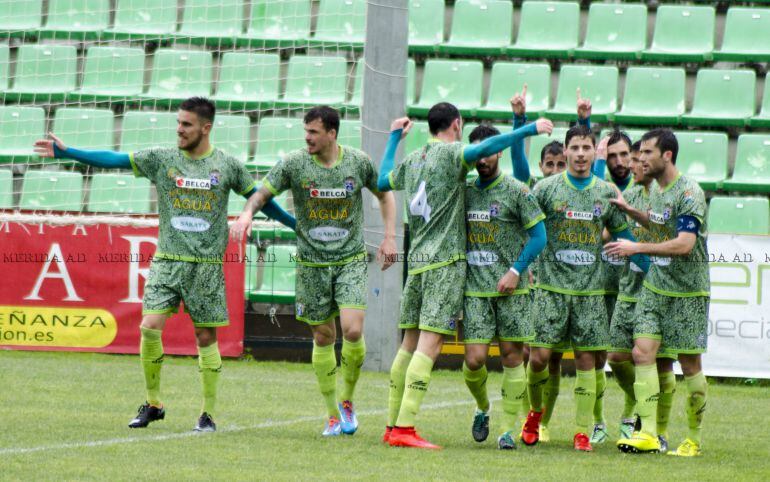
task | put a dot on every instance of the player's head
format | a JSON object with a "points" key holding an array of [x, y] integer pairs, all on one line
{"points": [[637, 169], [580, 149], [658, 150], [552, 160], [619, 154], [486, 166], [444, 117], [322, 123], [193, 122]]}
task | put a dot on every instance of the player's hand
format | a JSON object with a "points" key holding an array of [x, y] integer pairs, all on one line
{"points": [[44, 147], [240, 227], [583, 106], [519, 102], [601, 148], [386, 253], [621, 248], [508, 283], [544, 126], [402, 123], [620, 202]]}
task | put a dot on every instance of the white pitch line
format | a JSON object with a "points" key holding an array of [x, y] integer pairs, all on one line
{"points": [[181, 435]]}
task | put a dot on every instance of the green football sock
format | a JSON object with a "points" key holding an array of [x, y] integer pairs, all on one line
{"points": [[535, 383], [351, 359], [625, 375], [550, 394], [210, 366], [151, 356], [476, 381], [525, 396], [646, 389], [415, 386], [601, 384], [585, 399], [325, 367], [696, 404], [514, 389], [397, 380], [667, 382]]}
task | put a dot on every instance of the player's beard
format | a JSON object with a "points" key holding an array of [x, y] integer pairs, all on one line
{"points": [[191, 144]]}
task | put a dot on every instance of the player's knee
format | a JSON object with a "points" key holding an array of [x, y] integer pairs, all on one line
{"points": [[616, 357], [475, 362], [352, 333], [642, 355], [205, 336]]}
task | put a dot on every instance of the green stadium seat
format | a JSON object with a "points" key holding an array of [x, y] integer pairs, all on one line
{"points": [[654, 95], [76, 19], [722, 98], [111, 74], [357, 98], [752, 165], [5, 56], [278, 277], [231, 134], [596, 82], [426, 25], [216, 23], [143, 20], [535, 146], [20, 127], [509, 78], [683, 33], [762, 120], [177, 75], [479, 27], [250, 271], [746, 35], [85, 129], [247, 81], [341, 23], [277, 23], [703, 157], [455, 81], [276, 136], [417, 138], [617, 32], [44, 73], [315, 80], [547, 29], [350, 133], [739, 215], [143, 130], [52, 191], [20, 17], [6, 189], [119, 193]]}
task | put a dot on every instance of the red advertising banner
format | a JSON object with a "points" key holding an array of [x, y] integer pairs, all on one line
{"points": [[79, 288]]}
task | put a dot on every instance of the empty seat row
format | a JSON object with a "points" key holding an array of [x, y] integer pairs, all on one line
{"points": [[278, 274]]}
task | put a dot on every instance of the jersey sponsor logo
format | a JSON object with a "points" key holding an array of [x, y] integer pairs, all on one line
{"points": [[328, 233], [319, 193], [613, 260], [481, 258], [657, 218], [579, 215], [635, 268], [190, 224], [479, 216], [419, 205], [575, 257], [188, 183], [662, 261]]}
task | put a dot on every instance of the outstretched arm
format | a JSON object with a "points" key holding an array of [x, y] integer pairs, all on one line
{"points": [[600, 163], [257, 200], [398, 131], [638, 258], [55, 148], [274, 211], [495, 144]]}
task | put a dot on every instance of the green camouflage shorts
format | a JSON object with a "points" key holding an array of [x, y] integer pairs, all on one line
{"points": [[323, 291], [200, 285], [433, 300], [504, 317], [609, 303], [622, 330], [681, 324], [579, 320]]}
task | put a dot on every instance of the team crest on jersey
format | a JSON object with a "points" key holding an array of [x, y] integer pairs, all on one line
{"points": [[453, 323], [299, 308], [560, 206], [307, 184], [173, 173], [667, 213], [214, 178], [597, 209], [494, 209], [350, 184]]}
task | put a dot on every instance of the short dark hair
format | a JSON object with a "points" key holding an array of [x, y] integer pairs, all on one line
{"points": [[329, 116], [618, 136], [553, 148], [483, 131], [636, 146], [665, 140], [200, 106], [579, 131], [441, 116]]}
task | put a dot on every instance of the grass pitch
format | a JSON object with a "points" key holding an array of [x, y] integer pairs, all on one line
{"points": [[65, 417]]}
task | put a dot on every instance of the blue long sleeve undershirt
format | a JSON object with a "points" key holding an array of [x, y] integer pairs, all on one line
{"points": [[519, 159], [532, 249]]}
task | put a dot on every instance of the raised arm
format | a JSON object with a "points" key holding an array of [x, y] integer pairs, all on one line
{"points": [[399, 129], [518, 157], [55, 148], [600, 162], [583, 110]]}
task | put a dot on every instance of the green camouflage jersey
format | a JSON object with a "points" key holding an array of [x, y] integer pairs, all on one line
{"points": [[328, 203], [498, 217], [192, 199], [613, 265], [574, 220], [680, 276], [632, 275], [433, 178]]}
